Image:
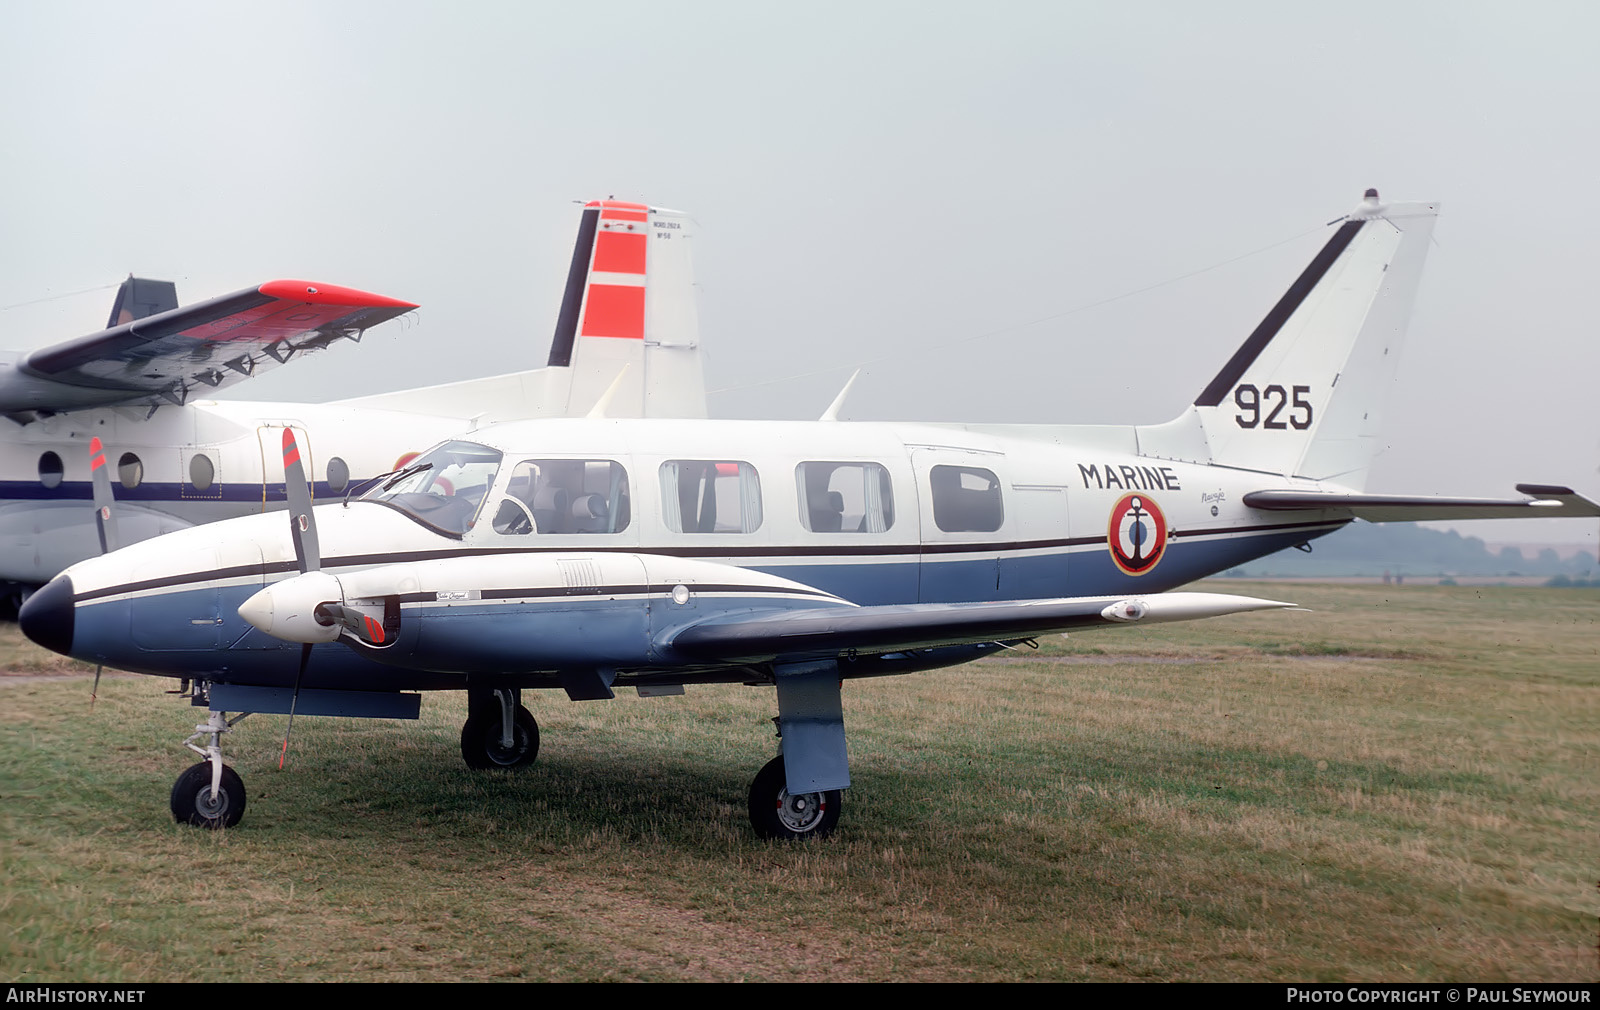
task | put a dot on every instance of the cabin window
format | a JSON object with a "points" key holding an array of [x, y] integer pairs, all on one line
{"points": [[710, 496], [564, 496], [130, 470], [338, 475], [845, 497], [201, 471], [966, 499], [51, 470]]}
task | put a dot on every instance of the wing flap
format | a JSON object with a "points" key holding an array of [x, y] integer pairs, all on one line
{"points": [[1547, 501], [838, 631], [165, 357]]}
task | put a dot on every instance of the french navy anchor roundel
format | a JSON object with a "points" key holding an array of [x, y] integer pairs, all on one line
{"points": [[1138, 533]]}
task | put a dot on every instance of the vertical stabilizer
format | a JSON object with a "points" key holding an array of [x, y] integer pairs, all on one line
{"points": [[630, 304], [139, 298], [628, 320], [1304, 394]]}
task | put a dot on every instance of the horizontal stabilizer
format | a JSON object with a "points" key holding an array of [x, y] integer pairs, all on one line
{"points": [[1547, 501], [837, 631]]}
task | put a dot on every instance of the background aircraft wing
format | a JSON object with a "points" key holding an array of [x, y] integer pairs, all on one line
{"points": [[1546, 501], [169, 356], [837, 631]]}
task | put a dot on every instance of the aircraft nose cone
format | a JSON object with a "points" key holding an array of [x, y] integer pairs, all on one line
{"points": [[47, 617]]}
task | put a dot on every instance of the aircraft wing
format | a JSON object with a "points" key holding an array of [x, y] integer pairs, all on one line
{"points": [[838, 631], [167, 357], [1546, 501]]}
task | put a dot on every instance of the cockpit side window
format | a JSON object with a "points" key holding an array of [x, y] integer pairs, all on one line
{"points": [[444, 488], [564, 496]]}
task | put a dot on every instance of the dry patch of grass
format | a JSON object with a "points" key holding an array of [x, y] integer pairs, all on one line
{"points": [[1401, 785]]}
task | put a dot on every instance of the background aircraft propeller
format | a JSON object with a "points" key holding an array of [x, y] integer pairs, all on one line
{"points": [[105, 522], [105, 518]]}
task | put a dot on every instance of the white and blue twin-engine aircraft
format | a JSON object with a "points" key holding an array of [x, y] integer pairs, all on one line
{"points": [[596, 554]]}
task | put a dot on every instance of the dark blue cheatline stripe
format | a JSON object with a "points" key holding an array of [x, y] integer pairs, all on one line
{"points": [[886, 550], [1268, 328], [164, 492]]}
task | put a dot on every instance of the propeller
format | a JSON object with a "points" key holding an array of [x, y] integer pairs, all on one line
{"points": [[105, 521], [313, 592], [307, 551]]}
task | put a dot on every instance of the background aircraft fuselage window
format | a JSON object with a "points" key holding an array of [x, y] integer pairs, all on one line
{"points": [[201, 471], [338, 475], [51, 470], [130, 470]]}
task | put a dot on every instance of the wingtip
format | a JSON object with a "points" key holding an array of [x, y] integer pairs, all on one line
{"points": [[330, 294]]}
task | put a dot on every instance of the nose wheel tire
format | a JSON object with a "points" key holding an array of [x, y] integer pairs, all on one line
{"points": [[777, 813], [192, 802], [483, 742]]}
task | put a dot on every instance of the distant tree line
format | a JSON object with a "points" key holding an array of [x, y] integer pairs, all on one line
{"points": [[1406, 549]]}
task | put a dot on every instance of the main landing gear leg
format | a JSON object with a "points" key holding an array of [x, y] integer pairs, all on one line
{"points": [[209, 794], [499, 732], [798, 793]]}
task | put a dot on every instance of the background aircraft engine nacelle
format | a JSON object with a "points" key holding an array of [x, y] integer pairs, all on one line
{"points": [[288, 609]]}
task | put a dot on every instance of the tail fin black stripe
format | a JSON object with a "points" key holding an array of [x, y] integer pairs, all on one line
{"points": [[572, 300], [1268, 328]]}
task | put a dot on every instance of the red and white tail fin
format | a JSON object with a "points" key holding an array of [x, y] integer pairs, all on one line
{"points": [[630, 304], [628, 320]]}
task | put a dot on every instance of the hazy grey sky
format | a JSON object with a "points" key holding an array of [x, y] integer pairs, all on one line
{"points": [[937, 187]]}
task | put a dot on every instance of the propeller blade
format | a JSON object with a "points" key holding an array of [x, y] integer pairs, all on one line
{"points": [[302, 525], [294, 702], [105, 500], [105, 522]]}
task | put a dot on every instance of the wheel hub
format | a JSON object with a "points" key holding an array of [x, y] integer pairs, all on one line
{"points": [[801, 812]]}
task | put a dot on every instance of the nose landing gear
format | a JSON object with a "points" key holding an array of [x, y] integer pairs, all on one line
{"points": [[209, 794]]}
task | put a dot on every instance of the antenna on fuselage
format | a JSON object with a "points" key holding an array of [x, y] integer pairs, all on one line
{"points": [[832, 413], [604, 403]]}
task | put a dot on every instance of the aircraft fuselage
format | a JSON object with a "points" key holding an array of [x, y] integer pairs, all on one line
{"points": [[869, 513]]}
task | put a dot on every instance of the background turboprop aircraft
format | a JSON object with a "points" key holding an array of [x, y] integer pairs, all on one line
{"points": [[627, 331], [588, 555]]}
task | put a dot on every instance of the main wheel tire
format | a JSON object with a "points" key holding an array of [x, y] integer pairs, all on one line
{"points": [[483, 747], [775, 813], [192, 802]]}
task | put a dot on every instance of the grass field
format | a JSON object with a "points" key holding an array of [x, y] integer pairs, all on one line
{"points": [[1402, 785]]}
